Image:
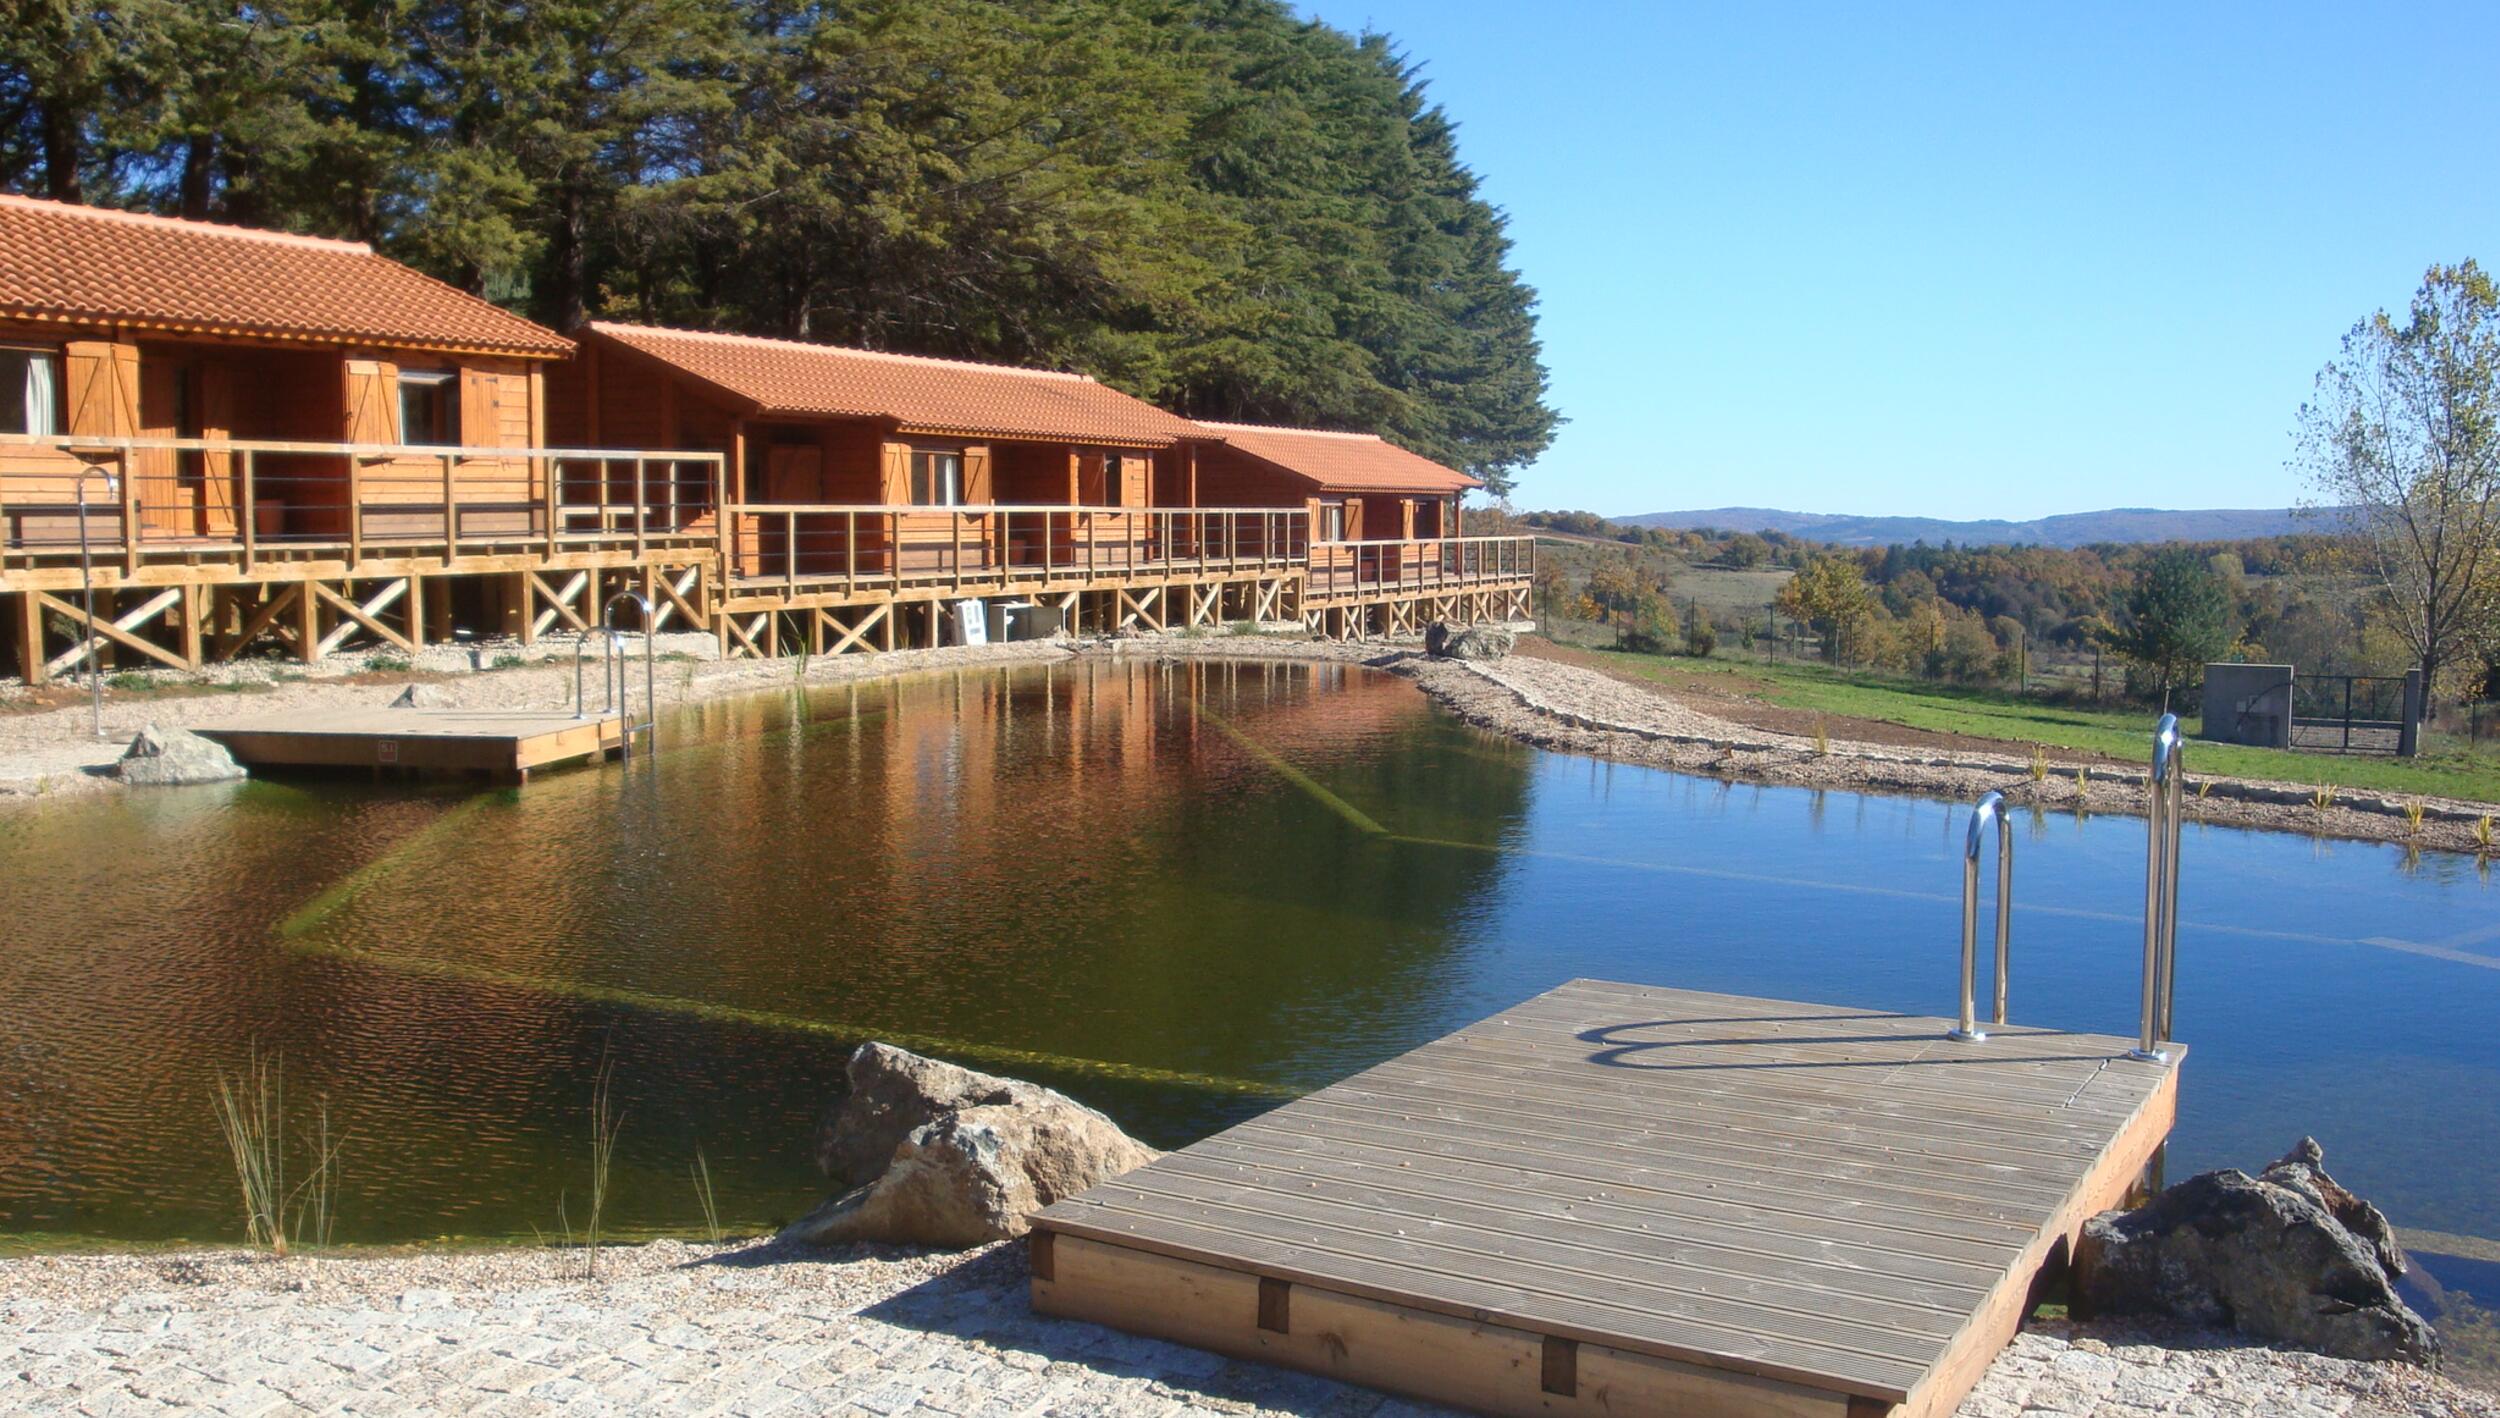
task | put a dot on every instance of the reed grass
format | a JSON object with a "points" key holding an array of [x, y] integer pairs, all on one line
{"points": [[2413, 818], [2483, 834], [605, 1123], [251, 1110], [1822, 740], [251, 1115], [701, 1172], [2322, 797], [2039, 763]]}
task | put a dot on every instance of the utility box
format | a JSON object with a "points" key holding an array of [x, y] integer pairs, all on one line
{"points": [[1022, 620], [2249, 704]]}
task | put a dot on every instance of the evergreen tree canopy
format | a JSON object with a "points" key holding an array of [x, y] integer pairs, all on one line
{"points": [[1207, 203]]}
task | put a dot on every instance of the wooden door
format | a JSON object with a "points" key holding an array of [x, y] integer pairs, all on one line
{"points": [[167, 483]]}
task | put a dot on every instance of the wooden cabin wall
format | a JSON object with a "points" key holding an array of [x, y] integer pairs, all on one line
{"points": [[854, 461], [1042, 474], [1228, 477]]}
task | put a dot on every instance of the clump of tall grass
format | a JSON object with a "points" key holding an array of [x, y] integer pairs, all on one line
{"points": [[2039, 762], [2322, 797], [2483, 834], [605, 1123], [1822, 740], [701, 1174], [2413, 811], [251, 1114]]}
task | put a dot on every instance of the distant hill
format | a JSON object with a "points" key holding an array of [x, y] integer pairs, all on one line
{"points": [[2071, 529]]}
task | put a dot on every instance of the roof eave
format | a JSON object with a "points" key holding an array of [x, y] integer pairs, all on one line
{"points": [[273, 335]]}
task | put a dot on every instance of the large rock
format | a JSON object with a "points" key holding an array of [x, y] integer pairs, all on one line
{"points": [[935, 1155], [422, 696], [1476, 642], [2287, 1255], [172, 758]]}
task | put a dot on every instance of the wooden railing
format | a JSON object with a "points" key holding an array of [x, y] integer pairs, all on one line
{"points": [[824, 547], [249, 500], [1367, 569]]}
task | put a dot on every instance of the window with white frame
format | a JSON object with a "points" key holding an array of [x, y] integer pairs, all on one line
{"points": [[1332, 521], [429, 407], [937, 477], [30, 390]]}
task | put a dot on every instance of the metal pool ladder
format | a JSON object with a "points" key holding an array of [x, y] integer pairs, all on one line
{"points": [[1989, 809], [2166, 792], [2166, 802], [615, 667]]}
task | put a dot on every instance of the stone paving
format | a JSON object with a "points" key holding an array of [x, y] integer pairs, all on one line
{"points": [[696, 1330]]}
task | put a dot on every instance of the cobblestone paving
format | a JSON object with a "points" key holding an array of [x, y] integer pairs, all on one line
{"points": [[687, 1330]]}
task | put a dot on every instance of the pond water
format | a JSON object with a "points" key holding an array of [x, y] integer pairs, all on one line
{"points": [[1180, 892]]}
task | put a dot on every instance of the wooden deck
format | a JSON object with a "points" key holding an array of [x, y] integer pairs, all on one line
{"points": [[503, 744], [1618, 1199]]}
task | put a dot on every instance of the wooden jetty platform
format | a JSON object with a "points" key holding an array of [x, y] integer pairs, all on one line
{"points": [[1626, 1200], [506, 745]]}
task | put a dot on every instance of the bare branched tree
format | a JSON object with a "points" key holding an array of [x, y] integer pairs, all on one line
{"points": [[2403, 437]]}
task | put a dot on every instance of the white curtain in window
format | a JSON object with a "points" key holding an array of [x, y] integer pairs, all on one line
{"points": [[40, 398]]}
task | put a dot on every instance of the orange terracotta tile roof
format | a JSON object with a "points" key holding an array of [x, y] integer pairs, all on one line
{"points": [[90, 265], [1343, 462], [921, 394]]}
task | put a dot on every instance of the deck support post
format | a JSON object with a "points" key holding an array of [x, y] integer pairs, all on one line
{"points": [[30, 656]]}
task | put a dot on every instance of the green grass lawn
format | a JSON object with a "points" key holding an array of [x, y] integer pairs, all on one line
{"points": [[2120, 733]]}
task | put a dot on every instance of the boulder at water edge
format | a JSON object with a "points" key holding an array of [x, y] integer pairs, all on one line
{"points": [[935, 1155], [2287, 1255], [422, 696], [174, 758], [1476, 642]]}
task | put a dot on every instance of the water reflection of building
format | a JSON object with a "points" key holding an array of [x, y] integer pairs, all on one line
{"points": [[1071, 860]]}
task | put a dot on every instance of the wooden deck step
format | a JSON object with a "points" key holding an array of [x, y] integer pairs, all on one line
{"points": [[1619, 1199]]}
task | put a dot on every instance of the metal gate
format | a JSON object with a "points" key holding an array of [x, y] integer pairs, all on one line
{"points": [[2348, 713]]}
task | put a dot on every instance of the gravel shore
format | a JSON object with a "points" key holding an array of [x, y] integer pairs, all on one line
{"points": [[758, 1328]]}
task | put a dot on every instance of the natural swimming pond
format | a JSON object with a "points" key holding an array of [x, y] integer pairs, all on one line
{"points": [[1181, 892]]}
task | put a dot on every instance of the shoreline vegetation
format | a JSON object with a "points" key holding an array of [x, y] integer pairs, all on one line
{"points": [[1549, 696]]}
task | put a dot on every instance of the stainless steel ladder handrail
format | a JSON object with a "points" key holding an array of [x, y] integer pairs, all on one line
{"points": [[2166, 802], [615, 669], [1990, 808]]}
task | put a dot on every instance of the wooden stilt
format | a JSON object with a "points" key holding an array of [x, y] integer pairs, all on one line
{"points": [[30, 657]]}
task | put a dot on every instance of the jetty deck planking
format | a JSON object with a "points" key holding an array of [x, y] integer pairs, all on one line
{"points": [[506, 745], [1619, 1199]]}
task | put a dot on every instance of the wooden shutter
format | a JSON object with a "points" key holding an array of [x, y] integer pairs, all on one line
{"points": [[896, 481], [1406, 519], [1133, 487], [1354, 519], [1089, 480], [979, 488], [481, 410], [103, 380], [220, 494], [372, 401]]}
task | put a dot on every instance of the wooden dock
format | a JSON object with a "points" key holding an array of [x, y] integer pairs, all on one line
{"points": [[1625, 1200], [505, 745]]}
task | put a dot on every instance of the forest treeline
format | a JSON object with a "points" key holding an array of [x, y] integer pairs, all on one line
{"points": [[1969, 613], [1208, 203]]}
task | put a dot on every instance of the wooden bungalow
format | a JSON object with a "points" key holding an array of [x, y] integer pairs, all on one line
{"points": [[860, 482], [1387, 543], [235, 434]]}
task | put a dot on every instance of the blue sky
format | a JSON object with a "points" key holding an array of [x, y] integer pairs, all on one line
{"points": [[1968, 261]]}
